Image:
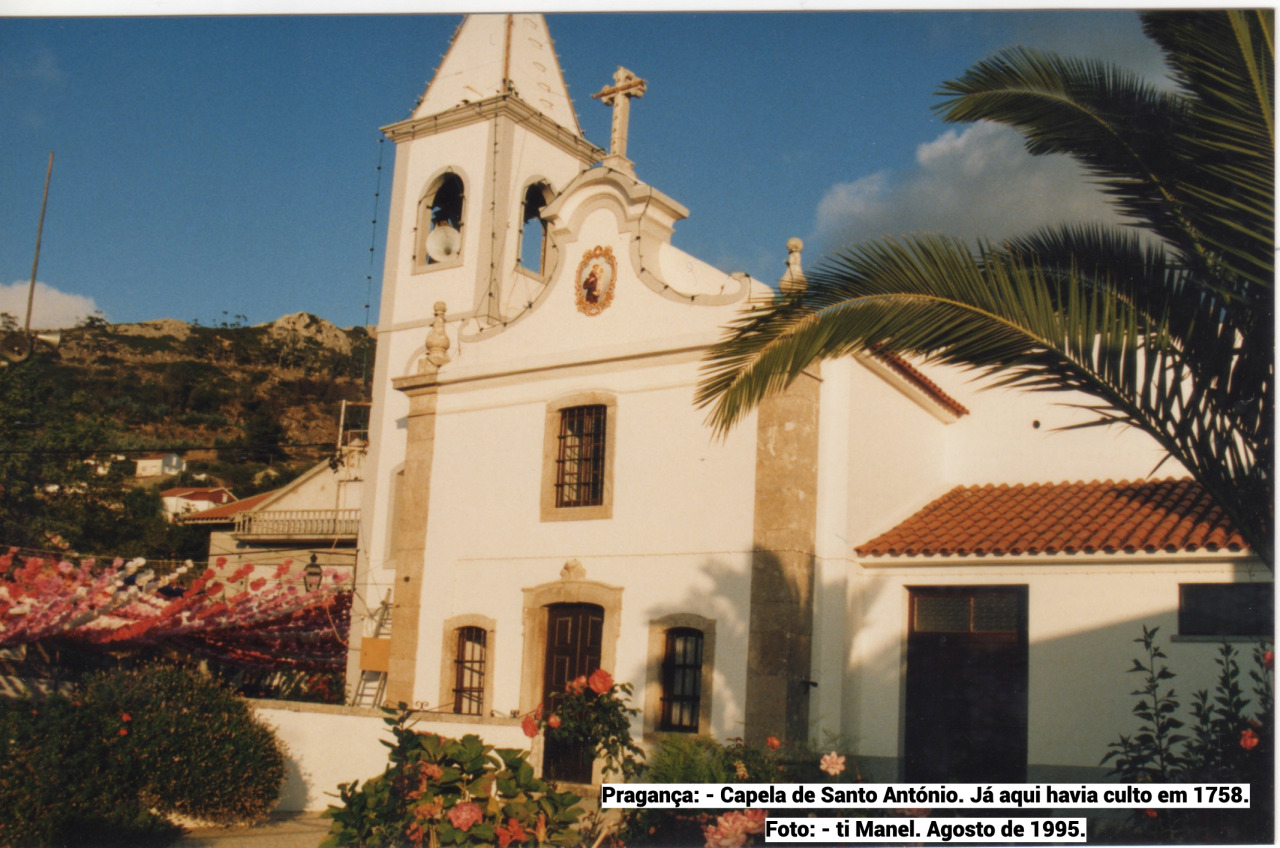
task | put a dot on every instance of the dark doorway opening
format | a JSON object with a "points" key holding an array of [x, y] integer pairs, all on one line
{"points": [[966, 715], [575, 633]]}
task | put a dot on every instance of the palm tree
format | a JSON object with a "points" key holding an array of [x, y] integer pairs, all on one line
{"points": [[1166, 323]]}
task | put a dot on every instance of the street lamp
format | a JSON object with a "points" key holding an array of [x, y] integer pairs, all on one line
{"points": [[312, 575]]}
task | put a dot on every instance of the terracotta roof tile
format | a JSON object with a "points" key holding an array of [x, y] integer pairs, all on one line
{"points": [[227, 511], [914, 375], [1047, 518]]}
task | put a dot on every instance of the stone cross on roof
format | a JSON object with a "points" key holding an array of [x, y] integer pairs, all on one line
{"points": [[626, 85]]}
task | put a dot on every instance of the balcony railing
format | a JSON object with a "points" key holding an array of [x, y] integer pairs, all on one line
{"points": [[312, 523]]}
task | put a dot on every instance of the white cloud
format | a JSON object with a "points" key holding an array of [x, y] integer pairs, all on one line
{"points": [[51, 308], [979, 182]]}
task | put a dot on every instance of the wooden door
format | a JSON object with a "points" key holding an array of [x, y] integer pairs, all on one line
{"points": [[575, 633], [966, 716]]}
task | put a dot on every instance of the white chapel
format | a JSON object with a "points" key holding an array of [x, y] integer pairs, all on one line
{"points": [[884, 553]]}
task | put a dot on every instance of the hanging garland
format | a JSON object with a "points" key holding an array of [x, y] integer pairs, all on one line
{"points": [[124, 605]]}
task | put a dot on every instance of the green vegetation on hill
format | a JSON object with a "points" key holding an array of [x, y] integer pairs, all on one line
{"points": [[249, 408]]}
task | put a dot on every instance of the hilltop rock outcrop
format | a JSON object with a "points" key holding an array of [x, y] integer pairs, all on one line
{"points": [[312, 327]]}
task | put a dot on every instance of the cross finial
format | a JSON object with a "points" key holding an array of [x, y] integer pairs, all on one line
{"points": [[626, 85]]}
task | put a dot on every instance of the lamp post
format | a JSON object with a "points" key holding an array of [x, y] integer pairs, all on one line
{"points": [[312, 575]]}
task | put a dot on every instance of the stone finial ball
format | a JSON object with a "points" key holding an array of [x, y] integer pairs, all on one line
{"points": [[794, 245]]}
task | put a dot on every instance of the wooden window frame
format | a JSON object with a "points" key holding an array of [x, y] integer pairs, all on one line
{"points": [[452, 630], [672, 667], [654, 692], [552, 507], [470, 671]]}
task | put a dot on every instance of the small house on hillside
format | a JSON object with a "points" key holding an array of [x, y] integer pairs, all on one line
{"points": [[189, 499], [315, 518], [160, 465]]}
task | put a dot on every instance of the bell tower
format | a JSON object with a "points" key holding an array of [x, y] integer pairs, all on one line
{"points": [[492, 141]]}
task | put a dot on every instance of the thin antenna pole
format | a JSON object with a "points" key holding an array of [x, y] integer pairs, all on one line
{"points": [[31, 292]]}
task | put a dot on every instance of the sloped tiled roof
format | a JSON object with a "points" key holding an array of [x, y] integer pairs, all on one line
{"points": [[1051, 518], [913, 375], [195, 493], [226, 512]]}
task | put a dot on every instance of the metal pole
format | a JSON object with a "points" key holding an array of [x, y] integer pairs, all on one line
{"points": [[31, 292]]}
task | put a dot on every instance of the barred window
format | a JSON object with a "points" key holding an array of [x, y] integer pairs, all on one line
{"points": [[681, 680], [468, 690], [580, 456]]}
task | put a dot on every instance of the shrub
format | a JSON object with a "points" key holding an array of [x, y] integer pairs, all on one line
{"points": [[688, 759], [203, 752], [103, 765], [437, 791], [1229, 742]]}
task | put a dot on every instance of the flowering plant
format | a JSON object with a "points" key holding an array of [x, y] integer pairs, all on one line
{"points": [[1231, 740], [732, 829], [595, 712], [437, 791]]}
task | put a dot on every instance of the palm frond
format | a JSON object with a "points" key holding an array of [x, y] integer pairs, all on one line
{"points": [[1030, 325], [1225, 65], [1173, 334], [1113, 123]]}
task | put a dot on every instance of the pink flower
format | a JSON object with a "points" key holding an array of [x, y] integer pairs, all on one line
{"points": [[772, 743], [1248, 740], [600, 681], [464, 815], [529, 726], [832, 764], [554, 721], [576, 686], [732, 829], [432, 771]]}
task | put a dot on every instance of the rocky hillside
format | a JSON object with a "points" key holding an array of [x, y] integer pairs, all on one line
{"points": [[167, 383]]}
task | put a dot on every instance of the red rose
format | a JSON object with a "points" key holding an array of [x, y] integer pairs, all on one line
{"points": [[554, 721], [576, 685], [1268, 659], [126, 717], [1248, 740], [465, 815], [529, 726], [600, 681], [1151, 813], [772, 743]]}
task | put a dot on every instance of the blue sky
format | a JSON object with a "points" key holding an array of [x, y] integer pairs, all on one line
{"points": [[213, 167]]}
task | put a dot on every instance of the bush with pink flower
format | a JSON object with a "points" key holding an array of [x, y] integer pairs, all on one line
{"points": [[460, 792]]}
